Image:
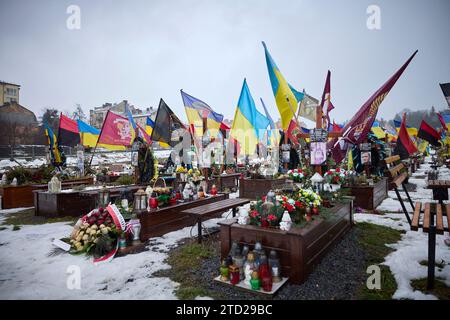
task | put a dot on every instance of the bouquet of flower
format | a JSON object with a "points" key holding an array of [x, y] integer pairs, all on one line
{"points": [[308, 198], [97, 233], [298, 175], [195, 175], [181, 169], [335, 176]]}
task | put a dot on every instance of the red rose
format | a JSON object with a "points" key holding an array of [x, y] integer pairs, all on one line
{"points": [[254, 214], [271, 217], [336, 179], [264, 198], [338, 170], [298, 204]]}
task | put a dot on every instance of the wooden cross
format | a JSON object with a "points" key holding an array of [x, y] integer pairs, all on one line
{"points": [[319, 125]]}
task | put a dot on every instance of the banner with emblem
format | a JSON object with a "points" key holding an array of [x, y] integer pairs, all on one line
{"points": [[356, 130], [116, 130]]}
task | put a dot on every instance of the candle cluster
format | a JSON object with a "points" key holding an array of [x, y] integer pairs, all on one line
{"points": [[251, 268]]}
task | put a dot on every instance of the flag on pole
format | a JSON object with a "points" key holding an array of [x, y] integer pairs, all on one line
{"points": [[149, 126], [326, 104], [427, 132], [68, 134], [445, 87], [356, 130], [405, 146], [247, 122], [442, 121], [116, 130], [283, 92], [196, 111], [307, 107], [166, 123], [274, 134], [89, 137], [55, 156]]}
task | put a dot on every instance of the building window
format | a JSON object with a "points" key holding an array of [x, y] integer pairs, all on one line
{"points": [[11, 92]]}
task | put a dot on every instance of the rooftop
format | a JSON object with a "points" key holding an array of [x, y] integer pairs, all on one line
{"points": [[12, 84]]}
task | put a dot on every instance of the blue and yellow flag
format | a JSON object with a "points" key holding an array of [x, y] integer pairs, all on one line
{"points": [[133, 124], [89, 137], [196, 111], [55, 155], [274, 135], [286, 97], [248, 124], [149, 125]]}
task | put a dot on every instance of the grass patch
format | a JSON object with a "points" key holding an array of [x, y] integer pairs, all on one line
{"points": [[3, 228], [185, 261], [441, 290], [16, 228], [373, 239], [439, 265], [27, 217]]}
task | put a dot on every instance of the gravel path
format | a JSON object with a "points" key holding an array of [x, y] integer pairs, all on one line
{"points": [[338, 276]]}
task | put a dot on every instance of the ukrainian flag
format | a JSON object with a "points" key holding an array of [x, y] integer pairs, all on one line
{"points": [[149, 126], [248, 124], [196, 110], [411, 130], [54, 151], [133, 124], [377, 130], [286, 97], [89, 137]]}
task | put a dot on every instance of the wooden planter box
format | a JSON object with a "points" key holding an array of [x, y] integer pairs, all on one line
{"points": [[63, 204], [161, 221], [299, 249], [370, 197], [225, 181], [16, 197], [257, 188], [22, 196]]}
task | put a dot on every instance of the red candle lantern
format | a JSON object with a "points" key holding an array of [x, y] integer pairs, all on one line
{"points": [[266, 277], [234, 274], [153, 202], [213, 190]]}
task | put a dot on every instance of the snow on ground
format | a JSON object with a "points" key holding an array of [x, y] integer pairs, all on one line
{"points": [[404, 262], [27, 272]]}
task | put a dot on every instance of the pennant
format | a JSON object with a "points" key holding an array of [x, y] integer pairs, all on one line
{"points": [[326, 98], [166, 123], [356, 130], [149, 126], [427, 132], [405, 146], [68, 134], [442, 121], [286, 97]]}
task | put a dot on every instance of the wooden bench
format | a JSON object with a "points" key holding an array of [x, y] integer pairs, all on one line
{"points": [[394, 166], [423, 218], [204, 212]]}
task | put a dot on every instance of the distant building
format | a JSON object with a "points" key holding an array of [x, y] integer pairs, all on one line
{"points": [[9, 92], [97, 116], [18, 125]]}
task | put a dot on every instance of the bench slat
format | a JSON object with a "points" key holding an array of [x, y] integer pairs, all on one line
{"points": [[426, 217], [439, 221], [447, 212], [416, 216], [391, 159], [397, 181], [396, 170], [217, 206]]}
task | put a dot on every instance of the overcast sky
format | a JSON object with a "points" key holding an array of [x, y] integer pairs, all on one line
{"points": [[144, 50]]}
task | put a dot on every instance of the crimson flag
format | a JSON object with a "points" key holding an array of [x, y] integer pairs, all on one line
{"points": [[405, 146], [356, 130], [68, 134], [427, 132]]}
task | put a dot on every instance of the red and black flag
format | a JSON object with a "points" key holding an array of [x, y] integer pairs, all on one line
{"points": [[428, 133], [445, 87], [405, 146], [68, 134], [166, 122]]}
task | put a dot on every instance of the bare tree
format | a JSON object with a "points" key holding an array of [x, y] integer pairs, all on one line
{"points": [[79, 114]]}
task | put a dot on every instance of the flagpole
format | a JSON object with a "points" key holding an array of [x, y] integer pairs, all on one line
{"points": [[95, 148]]}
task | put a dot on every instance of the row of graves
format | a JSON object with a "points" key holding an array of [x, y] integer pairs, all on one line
{"points": [[291, 207]]}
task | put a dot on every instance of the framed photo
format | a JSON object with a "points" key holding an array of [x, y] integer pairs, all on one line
{"points": [[366, 158], [318, 153]]}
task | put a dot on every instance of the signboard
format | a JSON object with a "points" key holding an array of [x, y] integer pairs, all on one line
{"points": [[319, 135], [80, 159]]}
